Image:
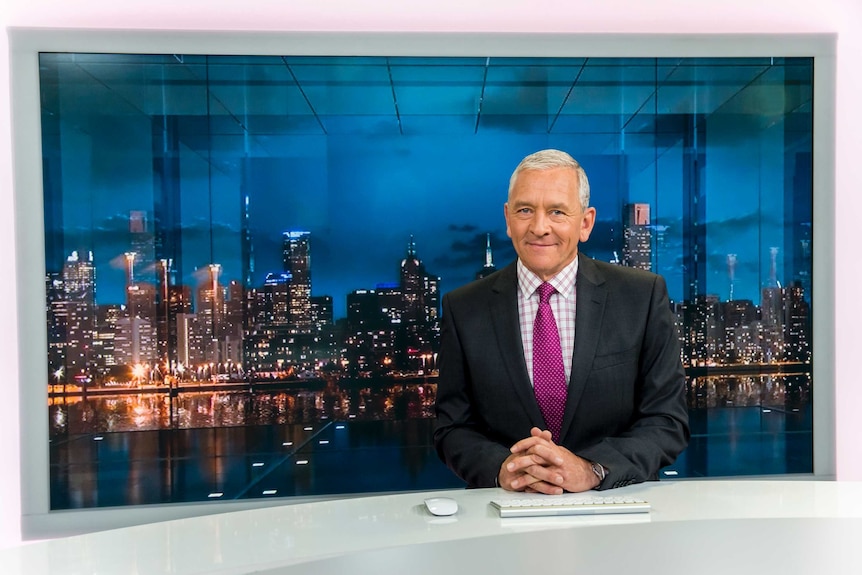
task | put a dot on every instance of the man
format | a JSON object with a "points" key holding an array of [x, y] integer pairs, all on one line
{"points": [[508, 413]]}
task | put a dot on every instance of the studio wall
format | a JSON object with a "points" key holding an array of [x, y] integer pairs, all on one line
{"points": [[843, 17]]}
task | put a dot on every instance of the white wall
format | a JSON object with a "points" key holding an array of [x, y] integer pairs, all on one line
{"points": [[561, 16]]}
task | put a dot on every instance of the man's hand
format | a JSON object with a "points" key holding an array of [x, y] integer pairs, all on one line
{"points": [[538, 465]]}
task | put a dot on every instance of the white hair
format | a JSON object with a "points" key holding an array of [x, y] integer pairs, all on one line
{"points": [[548, 159]]}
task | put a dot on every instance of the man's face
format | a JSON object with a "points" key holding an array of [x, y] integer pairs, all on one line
{"points": [[545, 220]]}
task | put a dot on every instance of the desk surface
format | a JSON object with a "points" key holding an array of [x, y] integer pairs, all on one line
{"points": [[695, 526]]}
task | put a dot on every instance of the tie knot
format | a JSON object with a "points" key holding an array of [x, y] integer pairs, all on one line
{"points": [[545, 291]]}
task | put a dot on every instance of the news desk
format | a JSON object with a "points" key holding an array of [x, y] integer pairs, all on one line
{"points": [[694, 527]]}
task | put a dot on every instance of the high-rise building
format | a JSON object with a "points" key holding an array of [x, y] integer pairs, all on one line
{"points": [[413, 286], [797, 324], [296, 257], [374, 328], [698, 329], [234, 309], [190, 344], [740, 336], [771, 294], [141, 301], [57, 321], [179, 302], [103, 344], [165, 320], [637, 237], [321, 311], [269, 337], [210, 312], [134, 341], [143, 244], [269, 305], [421, 308], [326, 349], [364, 311], [234, 328], [79, 297]]}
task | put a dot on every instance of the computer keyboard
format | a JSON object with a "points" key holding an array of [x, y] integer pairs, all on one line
{"points": [[575, 504]]}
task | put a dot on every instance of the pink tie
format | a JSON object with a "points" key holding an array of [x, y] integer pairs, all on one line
{"points": [[549, 376]]}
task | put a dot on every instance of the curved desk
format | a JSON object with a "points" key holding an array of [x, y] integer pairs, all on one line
{"points": [[695, 526]]}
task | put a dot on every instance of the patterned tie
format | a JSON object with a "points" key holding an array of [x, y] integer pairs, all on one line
{"points": [[549, 376]]}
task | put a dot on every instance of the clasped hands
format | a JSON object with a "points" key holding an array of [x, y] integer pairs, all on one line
{"points": [[538, 465]]}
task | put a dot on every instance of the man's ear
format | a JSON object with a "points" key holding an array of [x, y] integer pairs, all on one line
{"points": [[587, 223]]}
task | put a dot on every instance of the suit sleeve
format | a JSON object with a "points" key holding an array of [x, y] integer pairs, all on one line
{"points": [[462, 439], [659, 430]]}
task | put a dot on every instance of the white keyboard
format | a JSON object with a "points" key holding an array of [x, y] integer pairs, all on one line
{"points": [[550, 505]]}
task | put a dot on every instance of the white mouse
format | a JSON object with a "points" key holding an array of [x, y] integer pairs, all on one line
{"points": [[441, 506]]}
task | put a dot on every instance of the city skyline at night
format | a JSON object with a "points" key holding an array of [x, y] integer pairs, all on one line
{"points": [[281, 323]]}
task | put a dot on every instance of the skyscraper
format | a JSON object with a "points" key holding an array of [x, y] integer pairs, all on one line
{"points": [[637, 237], [797, 324], [143, 243], [412, 284], [421, 311], [296, 257], [210, 312], [57, 320], [134, 341], [79, 296]]}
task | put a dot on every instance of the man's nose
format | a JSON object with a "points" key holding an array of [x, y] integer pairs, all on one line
{"points": [[540, 224]]}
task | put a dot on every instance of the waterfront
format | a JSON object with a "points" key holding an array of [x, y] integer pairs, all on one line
{"points": [[291, 403], [145, 448], [300, 402]]}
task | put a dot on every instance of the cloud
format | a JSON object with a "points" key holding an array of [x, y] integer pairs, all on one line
{"points": [[468, 253], [461, 228]]}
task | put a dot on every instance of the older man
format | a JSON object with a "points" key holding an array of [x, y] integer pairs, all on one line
{"points": [[558, 372]]}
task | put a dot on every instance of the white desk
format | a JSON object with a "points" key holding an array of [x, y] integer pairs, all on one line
{"points": [[701, 526]]}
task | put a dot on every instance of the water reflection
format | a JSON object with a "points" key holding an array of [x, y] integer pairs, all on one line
{"points": [[348, 439], [335, 402], [779, 391], [154, 411]]}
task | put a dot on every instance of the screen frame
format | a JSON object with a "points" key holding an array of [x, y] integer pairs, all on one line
{"points": [[38, 521]]}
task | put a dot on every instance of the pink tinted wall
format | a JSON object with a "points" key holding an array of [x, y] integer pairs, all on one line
{"points": [[843, 17]]}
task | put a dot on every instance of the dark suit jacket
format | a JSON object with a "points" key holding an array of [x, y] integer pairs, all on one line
{"points": [[626, 401]]}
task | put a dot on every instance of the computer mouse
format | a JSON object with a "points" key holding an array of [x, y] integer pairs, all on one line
{"points": [[441, 506]]}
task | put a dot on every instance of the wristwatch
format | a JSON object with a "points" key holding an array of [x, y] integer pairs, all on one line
{"points": [[599, 470]]}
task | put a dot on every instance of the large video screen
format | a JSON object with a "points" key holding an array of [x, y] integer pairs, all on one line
{"points": [[245, 255]]}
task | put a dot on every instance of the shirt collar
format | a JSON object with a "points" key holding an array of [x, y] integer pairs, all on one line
{"points": [[563, 282]]}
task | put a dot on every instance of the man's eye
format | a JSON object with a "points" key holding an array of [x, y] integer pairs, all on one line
{"points": [[525, 211]]}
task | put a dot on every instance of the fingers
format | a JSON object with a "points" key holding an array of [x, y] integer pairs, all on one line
{"points": [[537, 437], [546, 488], [538, 446], [531, 484], [544, 434], [534, 468]]}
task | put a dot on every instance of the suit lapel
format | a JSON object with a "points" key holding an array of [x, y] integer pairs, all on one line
{"points": [[590, 306], [507, 327]]}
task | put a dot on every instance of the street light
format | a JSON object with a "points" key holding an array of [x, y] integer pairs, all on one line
{"points": [[58, 374], [138, 372]]}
